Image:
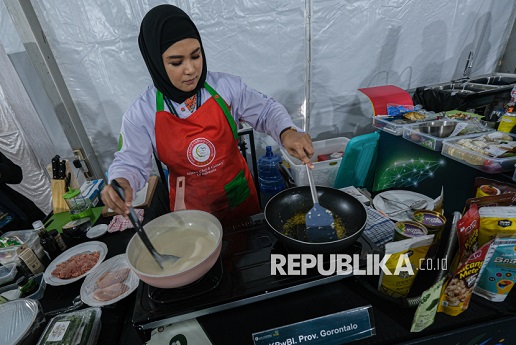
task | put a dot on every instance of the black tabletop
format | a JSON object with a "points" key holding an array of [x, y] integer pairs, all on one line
{"points": [[392, 322], [116, 318]]}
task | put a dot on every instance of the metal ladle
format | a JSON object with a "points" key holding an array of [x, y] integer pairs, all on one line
{"points": [[163, 260]]}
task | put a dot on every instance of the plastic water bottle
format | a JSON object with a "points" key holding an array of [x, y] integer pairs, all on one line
{"points": [[269, 177]]}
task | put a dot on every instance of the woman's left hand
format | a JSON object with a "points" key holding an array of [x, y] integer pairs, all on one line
{"points": [[298, 145]]}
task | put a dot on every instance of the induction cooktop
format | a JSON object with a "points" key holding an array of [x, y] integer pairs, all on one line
{"points": [[242, 275]]}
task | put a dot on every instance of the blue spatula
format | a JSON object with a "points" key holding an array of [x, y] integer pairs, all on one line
{"points": [[320, 225]]}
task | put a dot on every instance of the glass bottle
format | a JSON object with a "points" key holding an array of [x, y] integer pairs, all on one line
{"points": [[29, 261], [27, 286], [47, 242], [59, 239]]}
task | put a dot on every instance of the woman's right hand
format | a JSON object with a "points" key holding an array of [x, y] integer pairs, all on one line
{"points": [[111, 199]]}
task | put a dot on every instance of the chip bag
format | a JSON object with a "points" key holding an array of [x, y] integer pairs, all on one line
{"points": [[498, 274], [404, 261], [458, 289], [467, 235], [496, 221]]}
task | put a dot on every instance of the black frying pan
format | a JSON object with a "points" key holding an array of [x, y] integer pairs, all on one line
{"points": [[289, 202]]}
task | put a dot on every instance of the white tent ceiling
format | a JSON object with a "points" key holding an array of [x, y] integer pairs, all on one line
{"points": [[353, 44]]}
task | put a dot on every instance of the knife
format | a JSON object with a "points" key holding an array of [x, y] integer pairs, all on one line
{"points": [[67, 181], [62, 170], [55, 167]]}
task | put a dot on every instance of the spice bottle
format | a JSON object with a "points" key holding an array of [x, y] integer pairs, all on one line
{"points": [[28, 259], [47, 242], [59, 240]]}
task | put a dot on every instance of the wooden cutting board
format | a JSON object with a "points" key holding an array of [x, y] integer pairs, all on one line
{"points": [[151, 188]]}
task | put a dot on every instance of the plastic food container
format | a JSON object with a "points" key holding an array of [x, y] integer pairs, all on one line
{"points": [[38, 294], [412, 133], [324, 172], [391, 125], [7, 273], [19, 321], [63, 329], [480, 161], [8, 254], [80, 207]]}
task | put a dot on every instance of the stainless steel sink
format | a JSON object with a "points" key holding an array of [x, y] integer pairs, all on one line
{"points": [[495, 80], [465, 88]]}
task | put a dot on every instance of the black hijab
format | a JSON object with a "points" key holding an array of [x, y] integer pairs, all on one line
{"points": [[161, 27]]}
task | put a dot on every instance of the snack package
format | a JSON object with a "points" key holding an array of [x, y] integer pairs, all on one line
{"points": [[489, 187], [495, 221], [398, 110], [498, 274], [467, 235], [425, 312], [507, 199], [458, 289], [402, 254], [10, 241]]}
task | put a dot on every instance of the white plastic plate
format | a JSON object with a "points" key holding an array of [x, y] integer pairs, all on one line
{"points": [[399, 196], [91, 246], [89, 285], [97, 231]]}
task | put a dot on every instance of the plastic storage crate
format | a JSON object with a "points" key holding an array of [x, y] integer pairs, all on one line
{"points": [[412, 133], [394, 125], [8, 254], [492, 165], [7, 273], [324, 172]]}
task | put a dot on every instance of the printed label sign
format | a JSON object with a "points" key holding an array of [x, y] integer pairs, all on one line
{"points": [[334, 329]]}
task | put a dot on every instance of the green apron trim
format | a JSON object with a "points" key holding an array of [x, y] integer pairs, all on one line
{"points": [[160, 106], [224, 107], [237, 190], [120, 142]]}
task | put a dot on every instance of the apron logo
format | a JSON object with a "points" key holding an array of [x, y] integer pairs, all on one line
{"points": [[201, 152]]}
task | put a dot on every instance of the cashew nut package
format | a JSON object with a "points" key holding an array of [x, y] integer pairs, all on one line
{"points": [[458, 289]]}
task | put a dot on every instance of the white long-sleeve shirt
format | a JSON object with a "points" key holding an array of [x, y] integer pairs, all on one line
{"points": [[134, 160]]}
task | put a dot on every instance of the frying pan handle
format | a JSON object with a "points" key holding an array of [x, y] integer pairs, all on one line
{"points": [[179, 203], [311, 182]]}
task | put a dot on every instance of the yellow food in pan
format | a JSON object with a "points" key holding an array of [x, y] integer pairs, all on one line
{"points": [[298, 223]]}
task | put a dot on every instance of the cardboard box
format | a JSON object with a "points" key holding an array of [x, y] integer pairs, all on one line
{"points": [[91, 190]]}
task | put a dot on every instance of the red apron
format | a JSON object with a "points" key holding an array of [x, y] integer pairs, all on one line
{"points": [[204, 149]]}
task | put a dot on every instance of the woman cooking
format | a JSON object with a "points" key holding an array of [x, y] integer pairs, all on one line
{"points": [[189, 119]]}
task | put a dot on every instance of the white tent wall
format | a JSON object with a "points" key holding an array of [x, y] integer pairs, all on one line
{"points": [[19, 122], [353, 44], [245, 39], [405, 43]]}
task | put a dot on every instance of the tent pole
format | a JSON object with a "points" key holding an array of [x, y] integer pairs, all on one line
{"points": [[308, 64], [33, 38]]}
